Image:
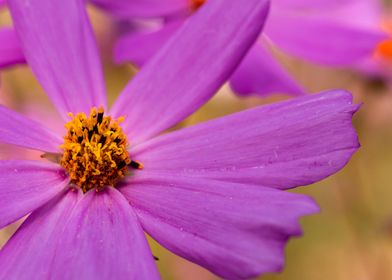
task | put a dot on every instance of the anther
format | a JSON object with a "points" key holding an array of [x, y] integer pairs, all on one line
{"points": [[136, 165]]}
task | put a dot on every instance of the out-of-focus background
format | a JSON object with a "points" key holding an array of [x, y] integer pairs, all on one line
{"points": [[352, 236]]}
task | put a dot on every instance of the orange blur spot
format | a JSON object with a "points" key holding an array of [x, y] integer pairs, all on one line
{"points": [[196, 4], [384, 50]]}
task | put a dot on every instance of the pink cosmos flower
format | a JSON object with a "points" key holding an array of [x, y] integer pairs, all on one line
{"points": [[213, 193], [325, 32]]}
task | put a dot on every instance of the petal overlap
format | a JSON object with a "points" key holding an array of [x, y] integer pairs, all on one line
{"points": [[182, 76], [92, 236], [237, 231], [104, 230], [30, 251]]}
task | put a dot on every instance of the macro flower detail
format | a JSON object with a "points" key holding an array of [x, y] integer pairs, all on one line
{"points": [[213, 193], [95, 151]]}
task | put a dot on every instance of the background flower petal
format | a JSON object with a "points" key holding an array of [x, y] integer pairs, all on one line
{"points": [[25, 186], [139, 47], [282, 145], [59, 45], [237, 231], [314, 4], [18, 130], [10, 51], [341, 44], [142, 8], [191, 67], [260, 73]]}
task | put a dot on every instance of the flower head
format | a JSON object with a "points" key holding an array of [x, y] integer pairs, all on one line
{"points": [[95, 150], [212, 193]]}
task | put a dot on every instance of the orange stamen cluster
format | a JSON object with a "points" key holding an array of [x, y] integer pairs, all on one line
{"points": [[196, 4], [95, 150]]}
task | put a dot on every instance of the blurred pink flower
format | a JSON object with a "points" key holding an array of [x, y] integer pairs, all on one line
{"points": [[326, 32]]}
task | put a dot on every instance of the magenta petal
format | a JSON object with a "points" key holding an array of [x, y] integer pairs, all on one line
{"points": [[25, 186], [282, 145], [61, 51], [97, 237], [142, 8], [236, 231], [31, 250], [139, 47], [10, 51], [260, 73], [18, 130], [103, 240], [191, 67], [320, 39]]}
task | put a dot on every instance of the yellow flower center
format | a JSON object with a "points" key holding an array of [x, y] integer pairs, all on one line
{"points": [[95, 150]]}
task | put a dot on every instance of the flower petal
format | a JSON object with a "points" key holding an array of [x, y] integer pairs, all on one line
{"points": [[97, 237], [18, 130], [30, 251], [142, 8], [10, 51], [139, 47], [59, 45], [340, 43], [368, 13], [103, 240], [237, 231], [25, 186], [260, 73], [282, 145], [181, 76]]}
